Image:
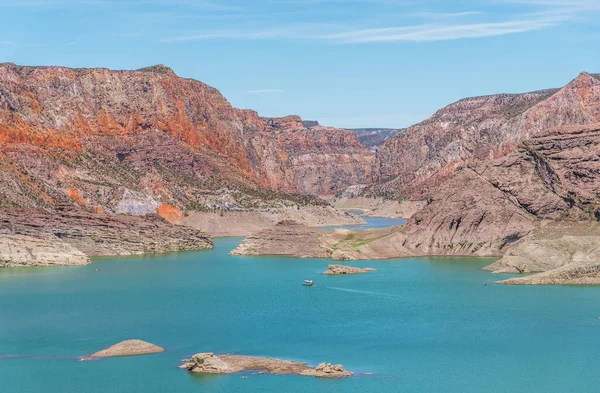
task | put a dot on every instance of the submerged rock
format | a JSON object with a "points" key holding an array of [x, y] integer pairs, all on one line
{"points": [[209, 363], [342, 269], [128, 348]]}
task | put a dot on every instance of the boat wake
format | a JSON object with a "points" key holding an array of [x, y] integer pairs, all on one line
{"points": [[377, 294]]}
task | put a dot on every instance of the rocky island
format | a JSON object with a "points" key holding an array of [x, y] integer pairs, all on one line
{"points": [[128, 348], [209, 363], [342, 269]]}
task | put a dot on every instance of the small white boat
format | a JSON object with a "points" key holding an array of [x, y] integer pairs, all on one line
{"points": [[308, 283]]}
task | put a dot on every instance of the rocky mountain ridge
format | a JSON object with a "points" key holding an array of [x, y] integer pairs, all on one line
{"points": [[413, 163], [131, 141]]}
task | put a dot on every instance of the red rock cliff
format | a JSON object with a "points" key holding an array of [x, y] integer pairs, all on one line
{"points": [[105, 136]]}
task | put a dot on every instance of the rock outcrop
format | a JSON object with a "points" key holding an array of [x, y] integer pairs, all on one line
{"points": [[25, 251], [128, 348], [559, 252], [286, 238], [209, 363], [102, 234], [343, 269]]}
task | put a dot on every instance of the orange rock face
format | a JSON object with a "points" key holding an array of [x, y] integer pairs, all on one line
{"points": [[66, 113], [76, 196], [169, 213]]}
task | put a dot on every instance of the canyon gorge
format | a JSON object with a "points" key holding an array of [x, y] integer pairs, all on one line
{"points": [[130, 162]]}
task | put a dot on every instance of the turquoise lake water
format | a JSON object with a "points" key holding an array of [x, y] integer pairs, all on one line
{"points": [[371, 222], [418, 325]]}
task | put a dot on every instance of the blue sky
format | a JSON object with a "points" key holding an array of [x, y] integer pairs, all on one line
{"points": [[346, 63]]}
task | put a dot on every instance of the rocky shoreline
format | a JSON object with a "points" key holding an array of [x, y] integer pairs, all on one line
{"points": [[557, 253], [209, 363], [25, 251], [69, 236]]}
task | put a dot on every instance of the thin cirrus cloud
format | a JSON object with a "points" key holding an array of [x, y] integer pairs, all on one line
{"points": [[412, 33], [424, 33]]}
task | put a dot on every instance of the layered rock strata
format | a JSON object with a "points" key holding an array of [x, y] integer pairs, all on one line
{"points": [[101, 234], [26, 251], [130, 141]]}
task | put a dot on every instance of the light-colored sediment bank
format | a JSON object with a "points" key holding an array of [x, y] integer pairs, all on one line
{"points": [[209, 363], [67, 236], [128, 348], [245, 223], [378, 207]]}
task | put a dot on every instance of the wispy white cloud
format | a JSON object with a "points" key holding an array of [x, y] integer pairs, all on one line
{"points": [[8, 43], [263, 91], [424, 33], [427, 32]]}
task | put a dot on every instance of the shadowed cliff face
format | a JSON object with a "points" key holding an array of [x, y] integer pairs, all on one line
{"points": [[415, 162], [101, 136], [481, 209]]}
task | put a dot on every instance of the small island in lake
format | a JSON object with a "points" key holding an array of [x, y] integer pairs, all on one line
{"points": [[209, 363], [128, 348], [342, 269]]}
